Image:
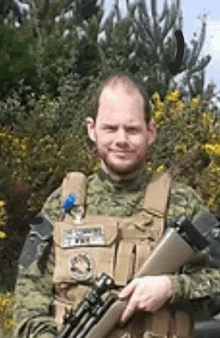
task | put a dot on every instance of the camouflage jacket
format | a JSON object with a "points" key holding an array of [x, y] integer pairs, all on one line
{"points": [[193, 289]]}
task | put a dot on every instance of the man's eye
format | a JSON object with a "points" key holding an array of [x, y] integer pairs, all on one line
{"points": [[132, 130], [110, 128]]}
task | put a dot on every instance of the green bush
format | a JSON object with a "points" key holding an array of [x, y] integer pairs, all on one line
{"points": [[188, 144]]}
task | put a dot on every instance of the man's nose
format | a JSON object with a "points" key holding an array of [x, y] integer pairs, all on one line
{"points": [[121, 135]]}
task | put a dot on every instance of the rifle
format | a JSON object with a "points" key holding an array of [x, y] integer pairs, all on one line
{"points": [[101, 308]]}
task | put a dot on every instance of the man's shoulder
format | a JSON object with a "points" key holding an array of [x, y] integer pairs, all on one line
{"points": [[181, 191], [53, 206], [184, 199]]}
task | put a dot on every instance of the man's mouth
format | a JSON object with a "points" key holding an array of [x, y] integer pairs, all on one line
{"points": [[122, 151]]}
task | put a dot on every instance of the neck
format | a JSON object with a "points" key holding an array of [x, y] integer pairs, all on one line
{"points": [[119, 177]]}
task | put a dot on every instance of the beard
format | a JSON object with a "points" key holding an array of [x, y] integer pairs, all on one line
{"points": [[121, 169]]}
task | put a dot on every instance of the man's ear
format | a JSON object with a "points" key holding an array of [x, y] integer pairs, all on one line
{"points": [[90, 126], [152, 131]]}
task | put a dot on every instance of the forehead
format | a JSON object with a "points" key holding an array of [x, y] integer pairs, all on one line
{"points": [[116, 104]]}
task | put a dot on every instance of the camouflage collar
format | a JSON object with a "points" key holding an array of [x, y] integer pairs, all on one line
{"points": [[132, 184]]}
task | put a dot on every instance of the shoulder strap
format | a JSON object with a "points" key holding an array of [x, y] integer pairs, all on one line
{"points": [[156, 195], [75, 183], [36, 241]]}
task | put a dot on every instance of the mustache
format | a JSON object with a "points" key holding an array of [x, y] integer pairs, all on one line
{"points": [[121, 151]]}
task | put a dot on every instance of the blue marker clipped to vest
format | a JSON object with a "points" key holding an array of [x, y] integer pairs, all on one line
{"points": [[71, 207], [73, 195]]}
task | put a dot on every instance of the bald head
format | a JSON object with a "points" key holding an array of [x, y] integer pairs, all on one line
{"points": [[123, 83], [116, 89]]}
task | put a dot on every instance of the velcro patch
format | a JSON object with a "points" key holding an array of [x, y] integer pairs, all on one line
{"points": [[83, 237]]}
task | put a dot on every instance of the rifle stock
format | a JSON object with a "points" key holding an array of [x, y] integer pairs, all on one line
{"points": [[171, 243]]}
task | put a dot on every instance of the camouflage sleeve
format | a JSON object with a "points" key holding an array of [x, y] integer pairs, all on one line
{"points": [[34, 287], [196, 286]]}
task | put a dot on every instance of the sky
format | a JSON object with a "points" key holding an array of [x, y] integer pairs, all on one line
{"points": [[192, 13]]}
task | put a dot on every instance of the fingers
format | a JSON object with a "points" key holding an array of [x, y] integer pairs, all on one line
{"points": [[129, 310], [131, 306], [128, 289], [146, 293]]}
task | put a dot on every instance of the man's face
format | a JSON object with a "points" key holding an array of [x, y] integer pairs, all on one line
{"points": [[120, 131]]}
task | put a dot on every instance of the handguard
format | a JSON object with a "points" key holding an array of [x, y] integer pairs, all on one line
{"points": [[94, 318], [78, 323]]}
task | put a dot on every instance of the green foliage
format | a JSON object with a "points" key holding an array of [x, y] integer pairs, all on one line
{"points": [[16, 63], [6, 321], [188, 144], [50, 50], [47, 140]]}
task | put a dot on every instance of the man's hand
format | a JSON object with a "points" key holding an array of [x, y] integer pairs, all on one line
{"points": [[148, 293]]}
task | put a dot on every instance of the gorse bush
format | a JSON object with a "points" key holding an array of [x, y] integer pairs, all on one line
{"points": [[6, 306], [46, 139], [6, 298], [189, 144]]}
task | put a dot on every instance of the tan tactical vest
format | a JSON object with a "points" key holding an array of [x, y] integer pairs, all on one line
{"points": [[116, 246]]}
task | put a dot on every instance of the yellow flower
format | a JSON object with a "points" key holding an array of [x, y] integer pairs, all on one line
{"points": [[158, 115], [180, 148], [207, 119], [214, 136], [159, 106], [214, 169], [196, 102], [96, 167], [4, 301], [156, 97], [2, 235], [9, 324], [160, 169], [174, 96], [2, 204], [180, 105], [15, 141], [212, 149], [23, 146]]}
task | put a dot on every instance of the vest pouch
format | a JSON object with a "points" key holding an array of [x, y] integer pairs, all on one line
{"points": [[164, 323], [167, 323], [130, 257], [82, 251], [144, 248], [139, 236], [59, 309]]}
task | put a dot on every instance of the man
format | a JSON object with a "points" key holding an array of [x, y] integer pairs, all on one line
{"points": [[121, 127]]}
